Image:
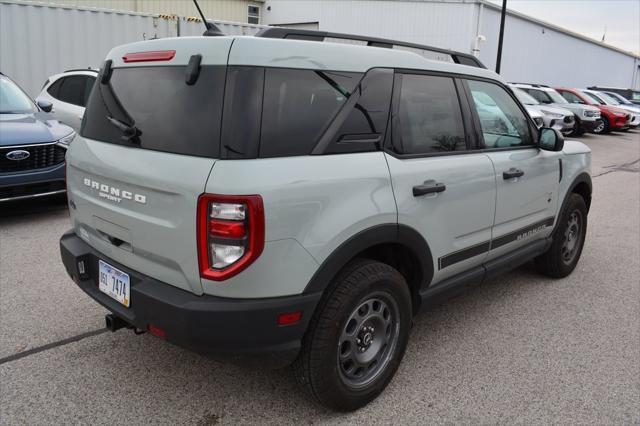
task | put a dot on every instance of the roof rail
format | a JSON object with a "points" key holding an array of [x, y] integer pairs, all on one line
{"points": [[82, 69], [311, 35]]}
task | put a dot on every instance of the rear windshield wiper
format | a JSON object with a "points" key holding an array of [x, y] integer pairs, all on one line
{"points": [[130, 133]]}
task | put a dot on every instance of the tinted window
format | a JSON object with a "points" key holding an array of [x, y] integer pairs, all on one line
{"points": [[503, 122], [297, 107], [429, 116], [242, 112], [571, 98], [170, 115], [72, 89], [363, 127], [55, 88]]}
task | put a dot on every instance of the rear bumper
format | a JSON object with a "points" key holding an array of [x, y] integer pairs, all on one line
{"points": [[32, 183], [236, 330]]}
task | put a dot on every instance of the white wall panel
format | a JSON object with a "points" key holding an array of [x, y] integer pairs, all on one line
{"points": [[38, 40]]}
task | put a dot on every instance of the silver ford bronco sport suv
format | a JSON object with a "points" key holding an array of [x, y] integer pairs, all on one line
{"points": [[282, 200]]}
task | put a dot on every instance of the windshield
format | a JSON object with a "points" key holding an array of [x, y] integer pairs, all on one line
{"points": [[524, 97], [556, 97], [12, 99], [619, 98], [608, 99], [593, 97]]}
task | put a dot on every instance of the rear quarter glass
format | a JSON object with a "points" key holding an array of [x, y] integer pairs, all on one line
{"points": [[170, 115]]}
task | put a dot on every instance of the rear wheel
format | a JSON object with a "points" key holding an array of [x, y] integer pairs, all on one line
{"points": [[568, 239], [357, 337]]}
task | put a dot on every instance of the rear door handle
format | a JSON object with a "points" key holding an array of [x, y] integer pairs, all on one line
{"points": [[428, 188], [512, 173]]}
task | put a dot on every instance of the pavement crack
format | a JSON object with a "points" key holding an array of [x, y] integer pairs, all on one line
{"points": [[625, 167], [52, 345]]}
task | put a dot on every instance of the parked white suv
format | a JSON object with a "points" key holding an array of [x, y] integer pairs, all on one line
{"points": [[68, 92]]}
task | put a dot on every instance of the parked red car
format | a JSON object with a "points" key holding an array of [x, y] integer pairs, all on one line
{"points": [[613, 118]]}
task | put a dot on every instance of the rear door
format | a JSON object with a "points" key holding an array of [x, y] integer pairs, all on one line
{"points": [[526, 177], [444, 187], [147, 145]]}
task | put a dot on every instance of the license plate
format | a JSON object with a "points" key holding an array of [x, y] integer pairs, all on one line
{"points": [[114, 283]]}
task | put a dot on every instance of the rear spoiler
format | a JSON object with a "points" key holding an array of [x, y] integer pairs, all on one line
{"points": [[311, 35]]}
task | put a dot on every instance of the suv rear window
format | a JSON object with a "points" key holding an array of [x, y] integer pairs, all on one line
{"points": [[170, 115]]}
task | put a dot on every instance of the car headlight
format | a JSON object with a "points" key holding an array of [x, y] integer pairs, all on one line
{"points": [[619, 114], [64, 142], [552, 114], [590, 113]]}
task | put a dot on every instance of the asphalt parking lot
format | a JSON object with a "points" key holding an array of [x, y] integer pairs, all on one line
{"points": [[520, 349]]}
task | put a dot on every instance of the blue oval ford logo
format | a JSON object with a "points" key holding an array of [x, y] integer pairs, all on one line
{"points": [[18, 155]]}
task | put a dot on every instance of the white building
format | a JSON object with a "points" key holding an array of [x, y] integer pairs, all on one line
{"points": [[533, 51]]}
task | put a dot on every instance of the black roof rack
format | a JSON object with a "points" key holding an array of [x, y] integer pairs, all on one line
{"points": [[82, 69], [311, 35]]}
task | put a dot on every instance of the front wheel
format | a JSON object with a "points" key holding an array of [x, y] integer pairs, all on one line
{"points": [[357, 337], [602, 127], [568, 240]]}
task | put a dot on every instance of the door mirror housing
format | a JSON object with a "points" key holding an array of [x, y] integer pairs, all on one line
{"points": [[46, 106], [550, 139]]}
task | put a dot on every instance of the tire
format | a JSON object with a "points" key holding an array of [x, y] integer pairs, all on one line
{"points": [[331, 355], [604, 128], [568, 240]]}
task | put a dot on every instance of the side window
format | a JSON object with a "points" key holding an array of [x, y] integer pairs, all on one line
{"points": [[429, 118], [55, 88], [72, 89], [571, 98], [539, 96], [297, 107], [503, 122]]}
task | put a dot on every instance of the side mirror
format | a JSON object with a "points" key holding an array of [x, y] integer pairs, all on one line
{"points": [[550, 140], [46, 106]]}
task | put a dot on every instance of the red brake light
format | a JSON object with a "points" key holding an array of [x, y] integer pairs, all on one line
{"points": [[230, 234], [226, 228], [153, 56]]}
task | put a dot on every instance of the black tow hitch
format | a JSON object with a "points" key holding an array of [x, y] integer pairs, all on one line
{"points": [[115, 323]]}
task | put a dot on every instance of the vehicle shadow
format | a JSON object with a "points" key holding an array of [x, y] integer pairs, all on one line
{"points": [[39, 206]]}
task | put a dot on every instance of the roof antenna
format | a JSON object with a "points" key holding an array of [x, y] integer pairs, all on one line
{"points": [[212, 29]]}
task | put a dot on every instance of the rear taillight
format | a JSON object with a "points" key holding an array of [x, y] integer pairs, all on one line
{"points": [[230, 234]]}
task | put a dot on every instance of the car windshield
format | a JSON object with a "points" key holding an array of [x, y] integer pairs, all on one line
{"points": [[619, 98], [524, 97], [608, 99], [593, 97], [556, 97], [12, 99]]}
